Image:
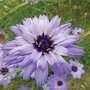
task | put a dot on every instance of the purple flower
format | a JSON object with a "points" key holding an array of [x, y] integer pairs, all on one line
{"points": [[36, 1], [40, 43], [40, 75], [5, 69], [58, 82], [77, 69], [25, 88], [26, 0], [61, 67], [21, 73], [1, 32], [77, 31]]}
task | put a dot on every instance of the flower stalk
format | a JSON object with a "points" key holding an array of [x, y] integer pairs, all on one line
{"points": [[16, 71], [84, 35], [16, 8]]}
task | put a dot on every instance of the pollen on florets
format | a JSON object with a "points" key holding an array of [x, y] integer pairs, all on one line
{"points": [[43, 43], [4, 70]]}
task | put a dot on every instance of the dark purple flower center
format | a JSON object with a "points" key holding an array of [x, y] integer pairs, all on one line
{"points": [[78, 33], [43, 43], [59, 83], [74, 68], [4, 71]]}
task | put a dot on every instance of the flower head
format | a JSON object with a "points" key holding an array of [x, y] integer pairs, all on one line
{"points": [[40, 43], [1, 32], [25, 88], [36, 1], [57, 82], [4, 70], [77, 31], [77, 69]]}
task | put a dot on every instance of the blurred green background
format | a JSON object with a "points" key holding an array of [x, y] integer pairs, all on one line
{"points": [[74, 11]]}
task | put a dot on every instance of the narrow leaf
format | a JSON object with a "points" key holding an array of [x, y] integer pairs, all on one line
{"points": [[16, 8], [84, 35], [16, 71]]}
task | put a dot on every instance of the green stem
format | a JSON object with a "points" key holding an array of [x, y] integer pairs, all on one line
{"points": [[84, 35], [16, 8], [16, 71]]}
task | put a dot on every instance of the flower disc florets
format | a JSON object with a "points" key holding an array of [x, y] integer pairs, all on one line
{"points": [[59, 83], [56, 82], [4, 70], [43, 43], [74, 68], [77, 69]]}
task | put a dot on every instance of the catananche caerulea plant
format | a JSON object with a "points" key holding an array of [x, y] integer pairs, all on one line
{"points": [[4, 69], [40, 43]]}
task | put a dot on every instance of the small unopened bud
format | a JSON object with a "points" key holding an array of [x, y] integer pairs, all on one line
{"points": [[5, 7]]}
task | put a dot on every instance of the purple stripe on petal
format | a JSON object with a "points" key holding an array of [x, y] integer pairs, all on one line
{"points": [[28, 71], [35, 55], [51, 58], [61, 67], [29, 37], [41, 76], [61, 50], [65, 26], [75, 51], [26, 61], [15, 30], [42, 62]]}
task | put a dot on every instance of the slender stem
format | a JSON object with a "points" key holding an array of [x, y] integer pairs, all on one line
{"points": [[84, 35], [70, 7], [16, 71], [16, 8]]}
